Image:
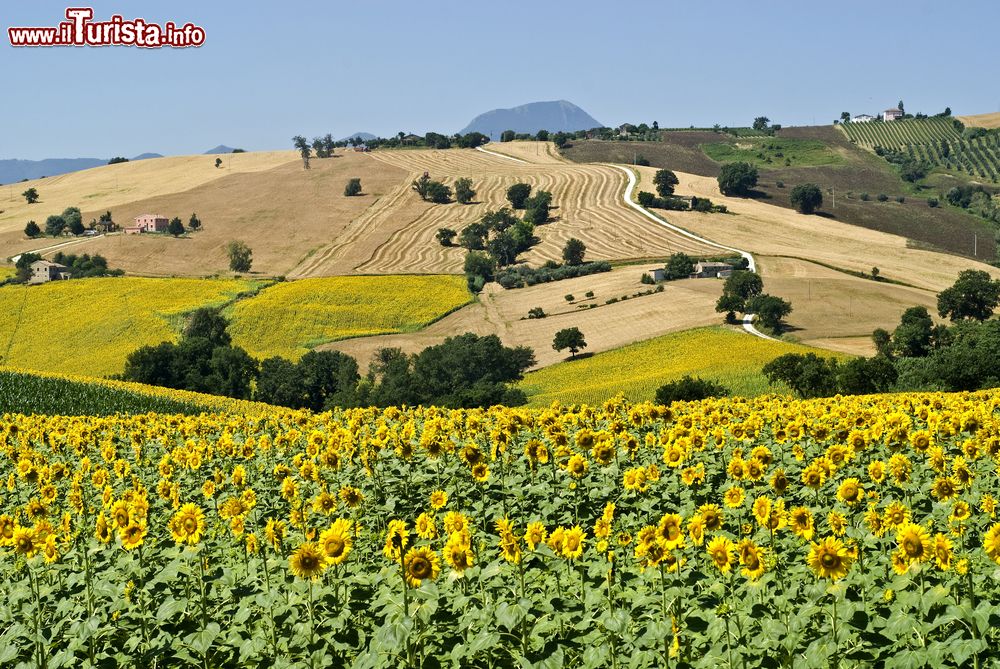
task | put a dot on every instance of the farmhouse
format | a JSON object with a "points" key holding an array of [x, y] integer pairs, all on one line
{"points": [[43, 271], [892, 114], [658, 274], [706, 270], [147, 223], [862, 118]]}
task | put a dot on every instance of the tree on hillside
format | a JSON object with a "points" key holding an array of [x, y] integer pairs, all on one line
{"points": [[218, 163], [31, 195], [208, 323], [72, 216], [739, 287], [679, 266], [353, 187], [240, 256], [76, 227], [438, 193], [688, 389], [845, 117], [175, 227], [479, 268], [517, 194], [761, 122], [807, 198], [194, 223], [974, 295], [507, 136], [32, 230], [737, 179], [463, 191], [23, 266], [769, 309], [445, 236], [421, 184], [912, 337], [569, 338], [574, 251], [808, 375], [305, 150], [665, 180], [537, 207], [54, 225]]}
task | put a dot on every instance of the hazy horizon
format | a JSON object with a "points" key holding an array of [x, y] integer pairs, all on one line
{"points": [[264, 75]]}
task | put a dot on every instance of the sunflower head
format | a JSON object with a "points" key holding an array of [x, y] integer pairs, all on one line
{"points": [[421, 563], [829, 558], [307, 561]]}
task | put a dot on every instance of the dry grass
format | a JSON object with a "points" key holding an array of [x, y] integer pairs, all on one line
{"points": [[775, 231], [284, 214], [682, 305], [534, 152], [981, 120], [836, 310]]}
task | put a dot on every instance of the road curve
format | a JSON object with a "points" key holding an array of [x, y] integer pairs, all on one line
{"points": [[751, 264]]}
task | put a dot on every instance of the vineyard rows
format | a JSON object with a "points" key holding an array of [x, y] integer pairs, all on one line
{"points": [[934, 140]]}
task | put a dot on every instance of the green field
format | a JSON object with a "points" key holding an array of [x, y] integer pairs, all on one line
{"points": [[773, 151], [727, 356], [31, 393]]}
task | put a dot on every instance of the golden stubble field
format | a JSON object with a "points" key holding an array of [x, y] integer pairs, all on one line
{"points": [[981, 120], [682, 305]]}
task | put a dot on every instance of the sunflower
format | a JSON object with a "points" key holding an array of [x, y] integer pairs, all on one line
{"points": [[737, 469], [669, 531], [837, 523], [900, 563], [987, 504], [914, 542], [674, 455], [421, 563], [944, 488], [720, 550], [830, 559], [307, 561], [133, 535], [510, 548], [779, 481], [480, 472], [7, 526], [121, 515], [960, 511], [24, 541], [351, 496], [801, 521], [942, 551], [187, 525], [733, 497], [991, 542], [896, 515], [438, 499], [577, 466], [752, 559], [275, 532], [696, 529], [425, 527], [555, 540], [712, 515], [762, 509], [455, 522], [876, 471], [814, 475], [634, 479], [876, 524], [603, 452], [457, 552], [325, 503], [850, 492], [102, 531], [336, 541], [573, 540], [397, 537]]}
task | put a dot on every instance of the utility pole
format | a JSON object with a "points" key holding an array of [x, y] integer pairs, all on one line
{"points": [[975, 245]]}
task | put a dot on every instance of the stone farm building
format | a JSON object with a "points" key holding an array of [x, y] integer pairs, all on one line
{"points": [[892, 114], [147, 223], [705, 270], [43, 271]]}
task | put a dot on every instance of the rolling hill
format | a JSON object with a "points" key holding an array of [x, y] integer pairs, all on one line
{"points": [[555, 116]]}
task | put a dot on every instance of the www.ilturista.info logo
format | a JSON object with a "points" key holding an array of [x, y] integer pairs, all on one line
{"points": [[80, 30]]}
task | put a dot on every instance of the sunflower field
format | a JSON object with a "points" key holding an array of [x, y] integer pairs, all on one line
{"points": [[851, 531]]}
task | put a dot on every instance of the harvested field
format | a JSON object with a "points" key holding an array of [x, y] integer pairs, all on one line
{"points": [[533, 152], [769, 230], [283, 214], [981, 120], [396, 235], [835, 310], [682, 305]]}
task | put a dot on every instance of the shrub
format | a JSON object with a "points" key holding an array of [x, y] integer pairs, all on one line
{"points": [[647, 279], [737, 178], [882, 197], [864, 197], [589, 293], [445, 236], [807, 198], [536, 312], [438, 193], [641, 160], [900, 199], [569, 298], [779, 184], [353, 187], [932, 202], [689, 389]]}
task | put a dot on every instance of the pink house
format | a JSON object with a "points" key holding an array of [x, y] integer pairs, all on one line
{"points": [[148, 223]]}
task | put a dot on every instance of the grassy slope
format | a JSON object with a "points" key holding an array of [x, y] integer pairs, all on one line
{"points": [[53, 394], [89, 326], [944, 228], [730, 357], [290, 318]]}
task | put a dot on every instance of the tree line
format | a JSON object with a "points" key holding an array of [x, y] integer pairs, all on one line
{"points": [[464, 371]]}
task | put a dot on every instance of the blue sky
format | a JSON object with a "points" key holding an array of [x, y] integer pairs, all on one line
{"points": [[270, 70]]}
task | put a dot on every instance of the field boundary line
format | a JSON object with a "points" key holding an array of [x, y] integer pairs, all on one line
{"points": [[751, 264], [500, 155]]}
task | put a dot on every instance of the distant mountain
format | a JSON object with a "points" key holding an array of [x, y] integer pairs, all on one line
{"points": [[363, 136], [145, 156], [16, 170], [555, 116], [221, 148]]}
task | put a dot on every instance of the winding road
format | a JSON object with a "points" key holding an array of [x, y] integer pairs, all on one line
{"points": [[627, 197]]}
